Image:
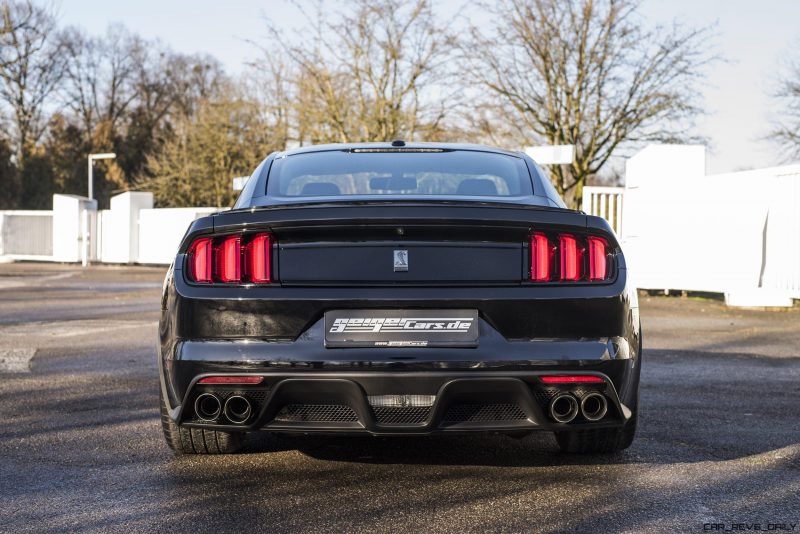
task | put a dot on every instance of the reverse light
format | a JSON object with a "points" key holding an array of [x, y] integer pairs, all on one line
{"points": [[571, 379], [231, 380], [233, 259]]}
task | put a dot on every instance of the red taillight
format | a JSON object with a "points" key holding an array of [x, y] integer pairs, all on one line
{"points": [[541, 257], [257, 259], [231, 380], [200, 260], [231, 259], [571, 379], [598, 260], [570, 257]]}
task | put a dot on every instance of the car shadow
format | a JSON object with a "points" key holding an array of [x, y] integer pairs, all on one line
{"points": [[493, 450]]}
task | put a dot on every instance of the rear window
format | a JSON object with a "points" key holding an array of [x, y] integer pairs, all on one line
{"points": [[349, 173]]}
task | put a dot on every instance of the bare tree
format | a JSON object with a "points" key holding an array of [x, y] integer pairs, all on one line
{"points": [[269, 86], [585, 73], [370, 74], [11, 21], [787, 130], [31, 67], [99, 76]]}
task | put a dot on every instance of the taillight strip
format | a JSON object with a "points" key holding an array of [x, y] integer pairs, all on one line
{"points": [[541, 257], [598, 258], [570, 258], [200, 266], [229, 260], [258, 259]]}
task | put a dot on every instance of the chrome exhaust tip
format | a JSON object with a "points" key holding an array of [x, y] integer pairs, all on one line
{"points": [[207, 406], [238, 409], [563, 408], [594, 407]]}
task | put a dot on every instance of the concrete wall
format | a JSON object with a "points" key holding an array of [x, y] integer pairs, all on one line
{"points": [[71, 214], [119, 227], [161, 231]]}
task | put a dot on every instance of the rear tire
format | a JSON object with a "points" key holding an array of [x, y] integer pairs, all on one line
{"points": [[195, 440], [599, 440]]}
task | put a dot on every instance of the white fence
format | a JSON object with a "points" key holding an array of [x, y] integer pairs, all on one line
{"points": [[26, 235], [130, 232], [605, 202]]}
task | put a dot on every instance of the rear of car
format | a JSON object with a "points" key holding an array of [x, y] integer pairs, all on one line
{"points": [[393, 289]]}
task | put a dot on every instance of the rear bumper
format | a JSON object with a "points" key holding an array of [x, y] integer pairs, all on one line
{"points": [[344, 403], [307, 388]]}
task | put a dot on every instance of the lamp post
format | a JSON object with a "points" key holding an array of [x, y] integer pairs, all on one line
{"points": [[92, 158], [86, 236]]}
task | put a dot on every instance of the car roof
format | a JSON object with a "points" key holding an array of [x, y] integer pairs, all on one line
{"points": [[408, 145]]}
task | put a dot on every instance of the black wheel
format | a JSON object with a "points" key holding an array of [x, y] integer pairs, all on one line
{"points": [[598, 441], [197, 441]]}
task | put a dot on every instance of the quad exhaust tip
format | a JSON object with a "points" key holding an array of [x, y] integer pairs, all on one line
{"points": [[207, 406], [563, 408], [594, 407], [238, 409]]}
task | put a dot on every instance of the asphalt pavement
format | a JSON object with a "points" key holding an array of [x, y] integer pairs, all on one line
{"points": [[81, 446]]}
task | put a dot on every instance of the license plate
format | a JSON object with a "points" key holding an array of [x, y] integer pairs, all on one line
{"points": [[401, 328]]}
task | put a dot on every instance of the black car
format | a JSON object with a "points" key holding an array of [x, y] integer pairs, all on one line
{"points": [[399, 289]]}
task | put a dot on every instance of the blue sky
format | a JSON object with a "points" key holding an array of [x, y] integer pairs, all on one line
{"points": [[755, 37]]}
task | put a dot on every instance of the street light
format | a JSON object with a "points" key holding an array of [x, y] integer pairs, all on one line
{"points": [[92, 157], [85, 215]]}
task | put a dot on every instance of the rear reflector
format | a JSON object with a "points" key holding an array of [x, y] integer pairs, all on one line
{"points": [[232, 259], [231, 380], [571, 379]]}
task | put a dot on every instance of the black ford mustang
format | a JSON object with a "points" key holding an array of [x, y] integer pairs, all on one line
{"points": [[396, 289]]}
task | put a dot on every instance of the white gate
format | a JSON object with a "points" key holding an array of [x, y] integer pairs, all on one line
{"points": [[26, 235]]}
